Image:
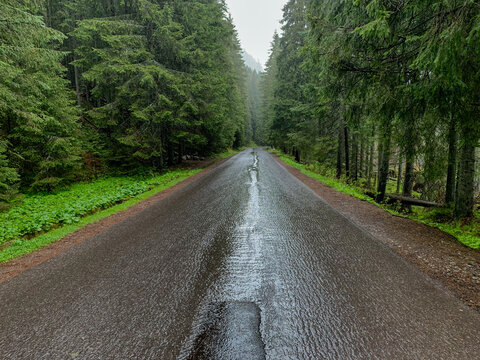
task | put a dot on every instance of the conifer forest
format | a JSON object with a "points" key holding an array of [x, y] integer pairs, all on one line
{"points": [[91, 86], [371, 92], [240, 179], [374, 91]]}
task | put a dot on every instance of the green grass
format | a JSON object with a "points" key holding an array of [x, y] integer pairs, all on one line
{"points": [[468, 233], [42, 219]]}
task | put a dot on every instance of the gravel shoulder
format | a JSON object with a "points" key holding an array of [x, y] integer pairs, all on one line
{"points": [[434, 252]]}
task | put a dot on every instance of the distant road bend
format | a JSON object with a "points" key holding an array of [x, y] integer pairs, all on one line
{"points": [[244, 263]]}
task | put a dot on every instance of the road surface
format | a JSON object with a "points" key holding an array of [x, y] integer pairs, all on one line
{"points": [[244, 263]]}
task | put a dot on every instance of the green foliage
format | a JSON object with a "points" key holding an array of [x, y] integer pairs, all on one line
{"points": [[136, 98], [267, 89], [158, 85], [8, 178], [37, 117], [290, 126], [253, 128], [42, 212], [154, 81], [22, 246], [330, 181], [46, 218]]}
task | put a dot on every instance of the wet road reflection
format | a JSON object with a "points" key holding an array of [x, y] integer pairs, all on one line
{"points": [[246, 263]]}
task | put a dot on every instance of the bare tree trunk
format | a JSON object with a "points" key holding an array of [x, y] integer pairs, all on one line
{"points": [[347, 153], [384, 160], [362, 158], [370, 160], [77, 85], [452, 160], [408, 183], [466, 179], [340, 150], [410, 153], [399, 175], [355, 157], [48, 14]]}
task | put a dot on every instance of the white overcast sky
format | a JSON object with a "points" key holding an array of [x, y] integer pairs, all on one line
{"points": [[256, 21]]}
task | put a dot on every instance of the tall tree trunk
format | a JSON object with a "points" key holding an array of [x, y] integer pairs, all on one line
{"points": [[410, 153], [379, 163], [362, 158], [48, 15], [355, 157], [384, 161], [466, 178], [180, 153], [399, 175], [347, 153], [409, 176], [112, 8], [340, 150], [370, 159], [170, 154], [77, 85], [452, 160]]}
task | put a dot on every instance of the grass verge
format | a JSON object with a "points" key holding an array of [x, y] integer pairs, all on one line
{"points": [[78, 206], [467, 232]]}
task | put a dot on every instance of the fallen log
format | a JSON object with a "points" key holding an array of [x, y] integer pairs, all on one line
{"points": [[411, 201], [392, 199]]}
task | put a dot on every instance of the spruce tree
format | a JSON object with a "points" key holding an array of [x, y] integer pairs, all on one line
{"points": [[37, 115]]}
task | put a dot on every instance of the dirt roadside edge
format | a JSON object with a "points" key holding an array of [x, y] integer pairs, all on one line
{"points": [[432, 251], [16, 266]]}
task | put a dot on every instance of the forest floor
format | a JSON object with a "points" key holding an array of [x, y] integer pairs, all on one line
{"points": [[436, 253], [75, 219]]}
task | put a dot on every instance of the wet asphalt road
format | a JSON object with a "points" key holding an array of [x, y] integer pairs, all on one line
{"points": [[245, 263]]}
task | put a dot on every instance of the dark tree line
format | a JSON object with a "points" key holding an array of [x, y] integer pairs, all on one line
{"points": [[380, 90], [91, 86]]}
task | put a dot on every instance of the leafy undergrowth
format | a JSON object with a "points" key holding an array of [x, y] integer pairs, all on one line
{"points": [[229, 153], [41, 219], [467, 232]]}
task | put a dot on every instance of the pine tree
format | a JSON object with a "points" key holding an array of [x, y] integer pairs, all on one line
{"points": [[37, 116], [254, 98], [381, 88], [8, 179], [450, 55], [267, 88], [290, 79]]}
